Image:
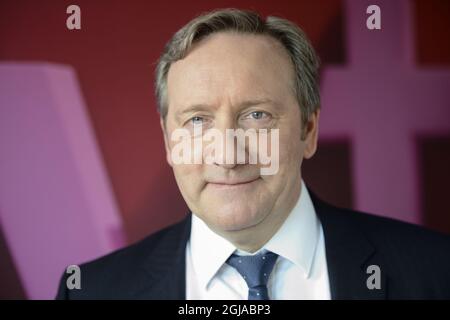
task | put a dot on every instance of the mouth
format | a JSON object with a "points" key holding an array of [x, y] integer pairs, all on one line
{"points": [[233, 185]]}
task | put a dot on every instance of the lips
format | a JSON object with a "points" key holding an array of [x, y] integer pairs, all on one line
{"points": [[232, 183]]}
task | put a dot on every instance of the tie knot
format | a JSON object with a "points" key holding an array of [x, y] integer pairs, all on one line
{"points": [[254, 269]]}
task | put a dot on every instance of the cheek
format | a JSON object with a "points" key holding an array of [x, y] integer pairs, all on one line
{"points": [[290, 155], [290, 149], [291, 146], [189, 179]]}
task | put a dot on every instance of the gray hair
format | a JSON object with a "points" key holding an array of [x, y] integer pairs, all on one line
{"points": [[293, 39]]}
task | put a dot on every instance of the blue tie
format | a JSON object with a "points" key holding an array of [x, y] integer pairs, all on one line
{"points": [[256, 271]]}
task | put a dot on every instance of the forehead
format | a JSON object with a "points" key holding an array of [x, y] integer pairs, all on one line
{"points": [[231, 66]]}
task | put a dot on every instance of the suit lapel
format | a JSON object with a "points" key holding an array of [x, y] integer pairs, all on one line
{"points": [[348, 254], [164, 269]]}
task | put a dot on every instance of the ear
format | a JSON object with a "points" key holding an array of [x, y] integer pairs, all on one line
{"points": [[312, 135], [166, 141]]}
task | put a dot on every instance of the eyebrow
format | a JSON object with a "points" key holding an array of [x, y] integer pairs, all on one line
{"points": [[199, 107]]}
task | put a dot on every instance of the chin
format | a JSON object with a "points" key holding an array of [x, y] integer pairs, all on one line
{"points": [[228, 218]]}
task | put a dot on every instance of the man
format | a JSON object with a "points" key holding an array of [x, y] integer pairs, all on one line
{"points": [[251, 235]]}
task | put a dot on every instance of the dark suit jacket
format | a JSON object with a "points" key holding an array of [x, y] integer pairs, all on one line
{"points": [[414, 262]]}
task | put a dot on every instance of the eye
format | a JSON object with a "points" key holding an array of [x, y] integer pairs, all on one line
{"points": [[196, 120], [257, 115]]}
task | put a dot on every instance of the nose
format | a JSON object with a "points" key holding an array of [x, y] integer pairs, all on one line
{"points": [[223, 163], [226, 145]]}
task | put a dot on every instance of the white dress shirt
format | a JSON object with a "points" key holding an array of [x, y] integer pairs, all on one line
{"points": [[299, 273]]}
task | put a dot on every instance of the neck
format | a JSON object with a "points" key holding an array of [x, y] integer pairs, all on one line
{"points": [[254, 238]]}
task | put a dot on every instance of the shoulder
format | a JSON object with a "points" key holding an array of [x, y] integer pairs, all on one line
{"points": [[408, 251], [397, 235], [390, 234], [134, 255], [414, 260], [120, 270]]}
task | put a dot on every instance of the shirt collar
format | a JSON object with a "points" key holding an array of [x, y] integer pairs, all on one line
{"points": [[297, 238], [209, 251]]}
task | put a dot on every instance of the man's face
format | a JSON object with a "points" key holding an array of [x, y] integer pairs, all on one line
{"points": [[231, 81]]}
